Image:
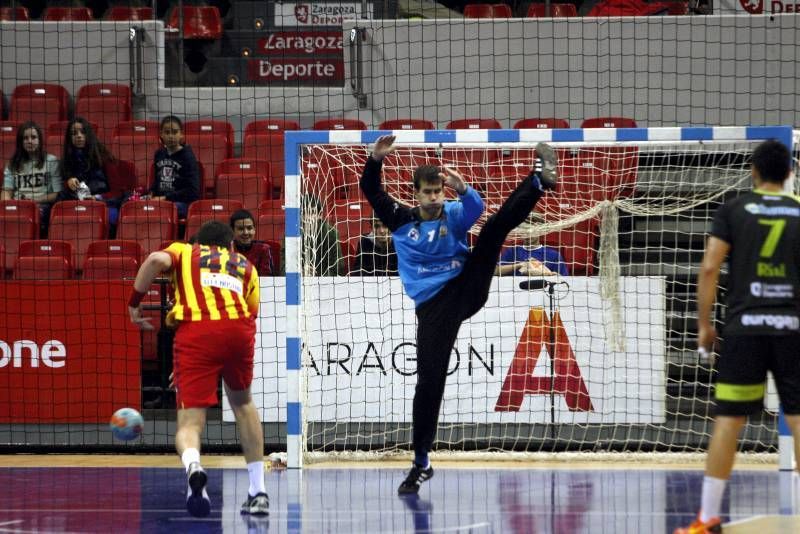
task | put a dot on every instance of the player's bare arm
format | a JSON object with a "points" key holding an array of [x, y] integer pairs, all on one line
{"points": [[155, 264], [453, 179], [715, 253], [384, 146]]}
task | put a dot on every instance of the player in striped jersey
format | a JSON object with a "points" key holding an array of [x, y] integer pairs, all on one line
{"points": [[216, 304]]}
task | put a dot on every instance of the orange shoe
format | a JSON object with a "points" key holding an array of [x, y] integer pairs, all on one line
{"points": [[712, 526]]}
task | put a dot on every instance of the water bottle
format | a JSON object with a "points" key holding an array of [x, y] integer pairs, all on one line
{"points": [[83, 191]]}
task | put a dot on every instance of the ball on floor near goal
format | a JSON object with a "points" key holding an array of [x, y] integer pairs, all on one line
{"points": [[126, 424]]}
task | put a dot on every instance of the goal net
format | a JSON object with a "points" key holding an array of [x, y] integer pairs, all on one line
{"points": [[601, 356]]}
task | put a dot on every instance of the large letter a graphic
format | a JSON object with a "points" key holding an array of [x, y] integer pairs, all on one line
{"points": [[567, 380]]}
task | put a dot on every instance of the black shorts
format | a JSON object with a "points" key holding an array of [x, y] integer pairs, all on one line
{"points": [[743, 364]]}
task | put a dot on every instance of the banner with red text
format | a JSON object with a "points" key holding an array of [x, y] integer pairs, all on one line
{"points": [[68, 351]]}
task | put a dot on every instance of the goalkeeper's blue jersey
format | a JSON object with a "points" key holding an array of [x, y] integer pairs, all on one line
{"points": [[429, 253]]}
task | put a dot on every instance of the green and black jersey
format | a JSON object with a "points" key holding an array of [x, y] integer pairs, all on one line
{"points": [[763, 230]]}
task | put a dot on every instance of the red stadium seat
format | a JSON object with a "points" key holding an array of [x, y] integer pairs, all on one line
{"points": [[2, 261], [19, 221], [340, 124], [121, 177], [210, 150], [199, 22], [352, 220], [269, 126], [263, 139], [112, 259], [44, 259], [77, 14], [577, 244], [487, 11], [334, 171], [271, 224], [123, 13], [473, 124], [205, 127], [218, 209], [8, 139], [43, 103], [407, 124], [19, 13], [608, 122], [138, 128], [248, 188], [105, 104], [78, 222], [623, 161], [556, 10], [149, 222], [137, 142], [535, 124]]}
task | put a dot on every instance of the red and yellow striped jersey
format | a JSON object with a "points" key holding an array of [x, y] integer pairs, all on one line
{"points": [[211, 283]]}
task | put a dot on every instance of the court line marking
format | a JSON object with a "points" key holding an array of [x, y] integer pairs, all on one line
{"points": [[745, 520], [15, 521]]}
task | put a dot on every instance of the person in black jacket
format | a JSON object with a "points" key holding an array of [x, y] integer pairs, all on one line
{"points": [[84, 161], [177, 175], [376, 255]]}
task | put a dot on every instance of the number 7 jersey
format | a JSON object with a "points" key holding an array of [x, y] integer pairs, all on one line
{"points": [[211, 283], [763, 231]]}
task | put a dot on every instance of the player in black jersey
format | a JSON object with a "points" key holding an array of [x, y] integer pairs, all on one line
{"points": [[759, 234]]}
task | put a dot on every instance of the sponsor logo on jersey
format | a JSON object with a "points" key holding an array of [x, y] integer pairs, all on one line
{"points": [[778, 211], [771, 291], [778, 322], [221, 281], [413, 234]]}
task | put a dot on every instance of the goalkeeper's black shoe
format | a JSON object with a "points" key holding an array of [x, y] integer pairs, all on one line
{"points": [[416, 476], [549, 172]]}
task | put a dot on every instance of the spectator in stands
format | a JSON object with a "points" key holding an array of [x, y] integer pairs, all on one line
{"points": [[32, 174], [531, 258], [83, 166], [257, 252], [177, 175], [321, 250], [376, 255]]}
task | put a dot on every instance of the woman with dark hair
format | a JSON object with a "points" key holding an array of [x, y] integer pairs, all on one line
{"points": [[83, 160], [83, 165], [32, 173]]}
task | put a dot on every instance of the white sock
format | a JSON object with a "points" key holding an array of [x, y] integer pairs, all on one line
{"points": [[713, 488], [256, 472], [190, 456]]}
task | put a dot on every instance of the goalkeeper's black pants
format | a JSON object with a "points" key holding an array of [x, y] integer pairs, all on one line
{"points": [[439, 318]]}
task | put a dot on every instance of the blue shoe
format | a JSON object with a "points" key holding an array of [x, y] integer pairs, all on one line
{"points": [[197, 502]]}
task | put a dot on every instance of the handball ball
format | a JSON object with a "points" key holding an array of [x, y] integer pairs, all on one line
{"points": [[126, 424]]}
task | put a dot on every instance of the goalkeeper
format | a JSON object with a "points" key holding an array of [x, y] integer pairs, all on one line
{"points": [[447, 282]]}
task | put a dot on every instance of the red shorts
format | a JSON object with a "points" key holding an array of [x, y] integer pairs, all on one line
{"points": [[206, 350]]}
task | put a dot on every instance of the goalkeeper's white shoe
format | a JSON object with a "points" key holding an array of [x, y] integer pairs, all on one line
{"points": [[549, 172]]}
